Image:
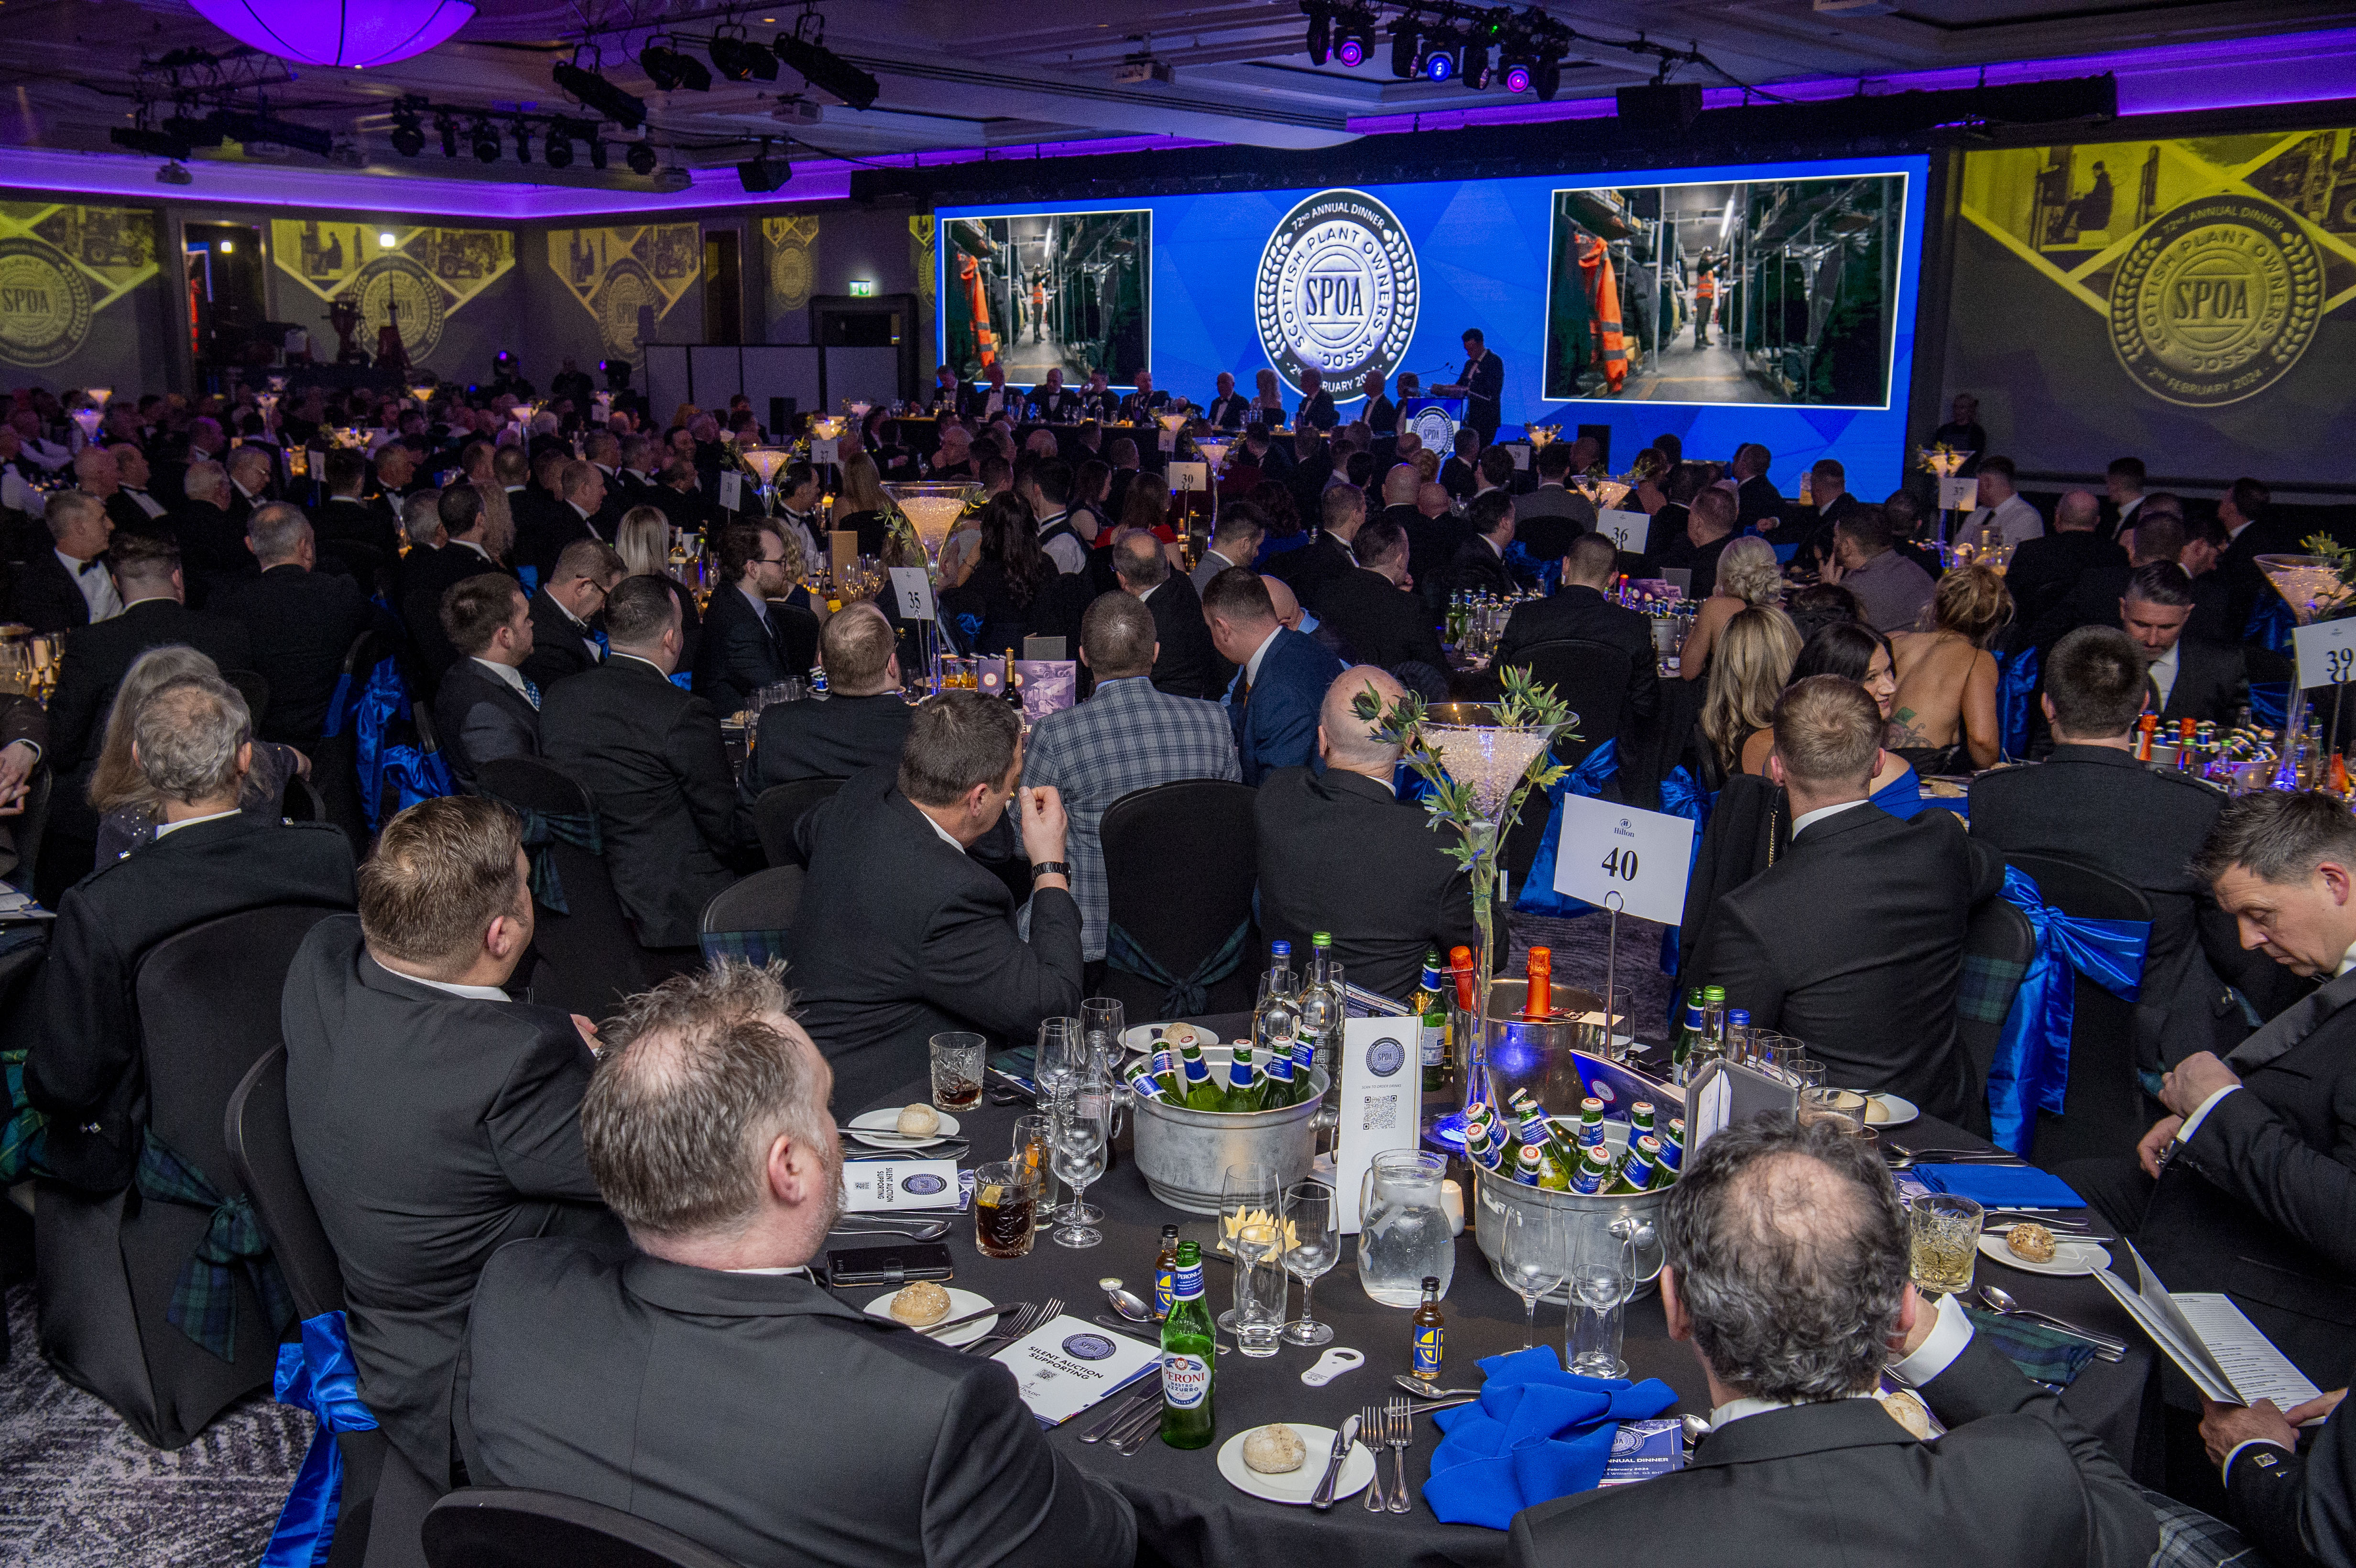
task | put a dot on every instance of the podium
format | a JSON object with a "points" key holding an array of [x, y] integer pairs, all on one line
{"points": [[1435, 421]]}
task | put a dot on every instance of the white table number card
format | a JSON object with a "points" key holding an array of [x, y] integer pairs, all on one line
{"points": [[1382, 1095], [1959, 494], [916, 593], [2327, 652], [1642, 856], [1626, 529]]}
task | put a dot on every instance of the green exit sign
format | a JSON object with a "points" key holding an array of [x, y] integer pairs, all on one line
{"points": [[862, 288]]}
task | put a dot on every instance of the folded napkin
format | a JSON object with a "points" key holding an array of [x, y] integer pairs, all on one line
{"points": [[1535, 1433], [2048, 1355], [2001, 1186]]}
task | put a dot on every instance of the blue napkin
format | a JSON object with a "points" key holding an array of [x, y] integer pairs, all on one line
{"points": [[1535, 1433], [2001, 1186]]}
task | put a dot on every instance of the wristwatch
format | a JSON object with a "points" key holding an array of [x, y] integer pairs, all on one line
{"points": [[1049, 868]]}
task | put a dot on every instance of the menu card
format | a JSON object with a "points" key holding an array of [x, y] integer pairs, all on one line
{"points": [[2227, 1356], [1067, 1365], [872, 1185]]}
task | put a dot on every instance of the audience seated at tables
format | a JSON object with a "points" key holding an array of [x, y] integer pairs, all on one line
{"points": [[434, 1118], [24, 736], [1787, 1272], [1280, 674], [1579, 609], [901, 933], [2002, 509], [2092, 598], [863, 723], [1854, 651], [1374, 612], [1342, 509], [1339, 852], [1893, 590], [487, 707], [1235, 539], [564, 637], [751, 637], [1293, 618], [991, 604], [2186, 677], [708, 1131], [1748, 672], [1944, 721], [1854, 940], [473, 542], [650, 757], [193, 743], [1126, 737], [346, 517], [2044, 569], [2248, 1185], [1186, 662], [1748, 573], [1552, 515], [213, 541], [1479, 565], [300, 622], [132, 506]]}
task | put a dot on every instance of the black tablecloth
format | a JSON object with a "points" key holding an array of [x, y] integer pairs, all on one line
{"points": [[1187, 1514]]}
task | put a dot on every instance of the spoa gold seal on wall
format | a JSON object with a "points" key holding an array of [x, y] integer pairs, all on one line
{"points": [[44, 304], [2216, 301]]}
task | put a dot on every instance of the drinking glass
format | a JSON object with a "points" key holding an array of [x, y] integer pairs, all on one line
{"points": [[1006, 1208], [1257, 1247], [1943, 1234], [1312, 1244], [957, 1070], [1533, 1258], [1101, 1027], [1248, 1195], [1804, 1071], [1059, 1057], [1843, 1107], [1034, 1146], [1603, 1276], [1082, 1130]]}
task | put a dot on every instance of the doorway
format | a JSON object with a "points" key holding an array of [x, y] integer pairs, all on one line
{"points": [[883, 321], [227, 314], [724, 287]]}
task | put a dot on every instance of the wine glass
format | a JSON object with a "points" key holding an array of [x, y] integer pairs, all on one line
{"points": [[1533, 1259], [1060, 1057], [1101, 1026], [1603, 1276], [1248, 1195], [1312, 1244], [1083, 1128]]}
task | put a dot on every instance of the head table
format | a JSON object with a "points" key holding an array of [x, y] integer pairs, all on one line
{"points": [[1187, 1514]]}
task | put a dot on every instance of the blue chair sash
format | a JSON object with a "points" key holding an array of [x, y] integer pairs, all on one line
{"points": [[1183, 998], [316, 1373], [339, 704], [1681, 797], [2270, 623], [383, 702], [2016, 693], [2032, 1056], [1597, 769], [204, 1296], [415, 775], [2270, 701]]}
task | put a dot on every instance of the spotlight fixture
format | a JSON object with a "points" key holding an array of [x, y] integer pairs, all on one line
{"points": [[669, 70], [766, 172], [408, 135], [641, 159], [1472, 61], [624, 108], [740, 59], [485, 142], [560, 146], [447, 129], [1547, 80], [1321, 30], [597, 152], [1406, 46], [1439, 57], [201, 132], [1353, 35], [523, 140], [821, 67]]}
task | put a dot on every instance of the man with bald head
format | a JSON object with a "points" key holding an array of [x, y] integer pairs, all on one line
{"points": [[1339, 852], [1187, 665], [1434, 535], [2043, 569]]}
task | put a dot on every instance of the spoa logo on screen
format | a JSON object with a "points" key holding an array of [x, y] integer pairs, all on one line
{"points": [[1337, 290]]}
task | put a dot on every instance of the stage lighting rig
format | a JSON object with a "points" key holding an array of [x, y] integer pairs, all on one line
{"points": [[1320, 29], [739, 59], [560, 146], [1440, 51], [1530, 53], [523, 140], [1353, 35], [1407, 46], [484, 142], [821, 67], [641, 157], [593, 91], [670, 70], [765, 172], [597, 151], [408, 133], [447, 128]]}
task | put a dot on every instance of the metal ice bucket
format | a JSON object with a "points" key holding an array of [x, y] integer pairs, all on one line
{"points": [[1537, 1053], [1185, 1154], [1496, 1194]]}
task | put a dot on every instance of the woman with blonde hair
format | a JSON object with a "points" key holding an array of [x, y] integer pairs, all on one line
{"points": [[127, 806], [642, 538], [1754, 662], [1944, 720], [1748, 574], [1268, 401], [862, 508]]}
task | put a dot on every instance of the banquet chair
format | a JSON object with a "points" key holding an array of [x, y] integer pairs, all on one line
{"points": [[2104, 1109], [1592, 679], [1181, 862], [513, 1526], [208, 1002], [591, 956], [749, 920], [780, 810], [252, 685], [1997, 947]]}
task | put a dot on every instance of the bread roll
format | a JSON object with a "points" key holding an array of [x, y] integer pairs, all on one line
{"points": [[1908, 1410], [921, 1304], [1275, 1450], [2031, 1240], [919, 1121]]}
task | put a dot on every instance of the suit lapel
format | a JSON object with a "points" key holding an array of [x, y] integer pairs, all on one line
{"points": [[2292, 1025]]}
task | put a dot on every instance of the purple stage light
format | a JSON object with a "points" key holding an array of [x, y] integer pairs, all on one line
{"points": [[1351, 52], [1517, 78], [351, 33]]}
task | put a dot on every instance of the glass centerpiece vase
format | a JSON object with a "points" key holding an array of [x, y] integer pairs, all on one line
{"points": [[927, 511], [2317, 588], [88, 418], [1605, 491], [1541, 437]]}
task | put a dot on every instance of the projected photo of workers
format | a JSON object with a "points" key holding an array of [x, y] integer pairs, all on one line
{"points": [[1065, 291], [1765, 291]]}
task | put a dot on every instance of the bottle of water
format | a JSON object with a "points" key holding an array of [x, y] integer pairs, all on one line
{"points": [[1321, 1011], [1276, 1017]]}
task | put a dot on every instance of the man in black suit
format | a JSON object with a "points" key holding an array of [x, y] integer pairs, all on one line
{"points": [[1552, 515], [1227, 407], [131, 507], [1316, 410], [1052, 403], [1458, 475], [213, 541], [2248, 1186], [1372, 608], [682, 500], [650, 756], [2184, 677], [901, 933], [2092, 598], [1186, 664], [2299, 1510], [1339, 852], [1280, 679], [564, 637], [1854, 941], [301, 622], [1578, 609], [861, 724], [1380, 415], [709, 1088], [2072, 804], [752, 639], [989, 397], [1480, 563], [193, 741], [1484, 387], [66, 585], [2252, 534], [2044, 569], [1709, 527], [434, 1118], [1342, 510], [1787, 1270], [253, 480], [346, 517], [473, 548], [485, 708]]}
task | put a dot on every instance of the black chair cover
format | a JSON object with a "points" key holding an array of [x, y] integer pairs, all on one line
{"points": [[781, 809], [2106, 1108], [1592, 679], [1997, 947], [497, 1527], [591, 957], [766, 900], [1180, 866]]}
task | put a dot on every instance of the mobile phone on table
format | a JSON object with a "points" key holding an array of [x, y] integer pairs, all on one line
{"points": [[890, 1265]]}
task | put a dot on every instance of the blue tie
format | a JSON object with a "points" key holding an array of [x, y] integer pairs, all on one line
{"points": [[597, 637], [532, 693]]}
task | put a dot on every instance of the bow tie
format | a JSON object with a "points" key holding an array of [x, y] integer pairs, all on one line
{"points": [[87, 567]]}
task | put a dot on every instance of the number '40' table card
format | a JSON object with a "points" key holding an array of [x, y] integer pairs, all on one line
{"points": [[1642, 856]]}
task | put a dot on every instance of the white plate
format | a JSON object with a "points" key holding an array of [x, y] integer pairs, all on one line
{"points": [[875, 1129], [1143, 1038], [2070, 1258], [960, 1303], [1895, 1111], [1301, 1484]]}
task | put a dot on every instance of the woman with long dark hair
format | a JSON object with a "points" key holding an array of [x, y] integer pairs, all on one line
{"points": [[1854, 651], [991, 609]]}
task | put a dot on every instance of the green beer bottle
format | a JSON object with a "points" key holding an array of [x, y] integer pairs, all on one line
{"points": [[1187, 1356], [1202, 1093], [1244, 1090]]}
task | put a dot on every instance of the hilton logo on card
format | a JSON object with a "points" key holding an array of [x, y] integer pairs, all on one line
{"points": [[1337, 291]]}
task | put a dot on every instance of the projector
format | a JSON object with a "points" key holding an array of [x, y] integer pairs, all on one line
{"points": [[798, 111], [1138, 70]]}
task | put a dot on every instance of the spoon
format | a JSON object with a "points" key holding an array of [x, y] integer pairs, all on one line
{"points": [[1131, 1305], [1422, 1390], [1696, 1427], [1995, 1295]]}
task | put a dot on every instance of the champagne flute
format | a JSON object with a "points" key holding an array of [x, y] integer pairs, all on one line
{"points": [[1082, 1130], [1603, 1274], [1248, 1195], [1533, 1259], [1312, 1244]]}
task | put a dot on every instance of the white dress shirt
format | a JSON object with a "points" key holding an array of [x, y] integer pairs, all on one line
{"points": [[164, 828], [472, 993], [2162, 670], [1806, 819], [1064, 549], [512, 676], [2013, 518], [1938, 1353], [97, 586], [1251, 665]]}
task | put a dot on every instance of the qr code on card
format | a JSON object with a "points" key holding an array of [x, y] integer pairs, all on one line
{"points": [[1381, 1113]]}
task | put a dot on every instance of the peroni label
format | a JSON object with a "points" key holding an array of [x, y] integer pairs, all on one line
{"points": [[1186, 1381]]}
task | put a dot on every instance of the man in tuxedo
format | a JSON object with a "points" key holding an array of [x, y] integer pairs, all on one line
{"points": [[563, 639], [752, 639], [650, 756], [1458, 475], [1339, 852], [2123, 497], [590, 511], [1064, 535], [2184, 677], [863, 723], [1552, 515], [1052, 403], [472, 549], [1280, 679], [1484, 387], [2298, 1509], [1787, 1272], [434, 1118], [346, 517], [1371, 609], [901, 933], [1317, 411], [1709, 527], [252, 481], [1227, 406], [2002, 508], [1579, 609], [131, 505], [1184, 663], [301, 622], [2248, 1185], [987, 399], [211, 539], [1380, 414], [1236, 539], [485, 708], [1759, 506], [68, 585], [1141, 406], [2043, 569], [1854, 940], [2251, 534], [2072, 804], [193, 743], [681, 496], [1128, 736], [707, 1128], [1480, 563], [1342, 510]]}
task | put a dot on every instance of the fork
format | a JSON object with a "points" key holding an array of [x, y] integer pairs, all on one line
{"points": [[1398, 1431], [1030, 1319], [1370, 1432]]}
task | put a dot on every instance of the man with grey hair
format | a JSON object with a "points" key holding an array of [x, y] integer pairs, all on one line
{"points": [[303, 623], [66, 585], [1188, 665], [192, 741], [249, 480], [213, 541], [420, 521], [1787, 1272], [706, 1127], [1339, 852]]}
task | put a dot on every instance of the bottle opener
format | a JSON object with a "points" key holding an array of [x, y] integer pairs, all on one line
{"points": [[1332, 1365]]}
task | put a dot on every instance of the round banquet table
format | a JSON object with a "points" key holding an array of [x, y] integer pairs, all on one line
{"points": [[1187, 1514]]}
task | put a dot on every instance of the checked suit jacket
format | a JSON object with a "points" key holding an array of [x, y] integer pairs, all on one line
{"points": [[1128, 736]]}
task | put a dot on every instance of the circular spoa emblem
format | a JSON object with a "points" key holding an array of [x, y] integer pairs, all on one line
{"points": [[790, 277], [2216, 301], [923, 1182], [44, 304], [1627, 1440], [396, 283], [1385, 1057], [1337, 290], [627, 300], [1433, 428], [1088, 1347]]}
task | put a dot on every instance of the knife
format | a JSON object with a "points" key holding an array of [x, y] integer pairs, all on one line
{"points": [[1121, 1413], [1322, 1499], [952, 1323]]}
